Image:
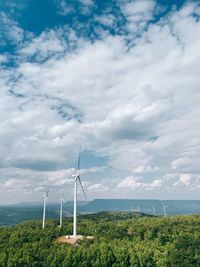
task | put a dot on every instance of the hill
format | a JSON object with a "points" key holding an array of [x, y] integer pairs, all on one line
{"points": [[120, 239]]}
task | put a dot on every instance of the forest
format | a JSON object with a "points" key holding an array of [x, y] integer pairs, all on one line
{"points": [[120, 239]]}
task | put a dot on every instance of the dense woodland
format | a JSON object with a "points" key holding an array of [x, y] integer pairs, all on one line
{"points": [[120, 239]]}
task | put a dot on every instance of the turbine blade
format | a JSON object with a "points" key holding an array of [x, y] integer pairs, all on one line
{"points": [[76, 177], [79, 159], [82, 187], [47, 191]]}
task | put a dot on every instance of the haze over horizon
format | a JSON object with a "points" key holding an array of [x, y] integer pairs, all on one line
{"points": [[120, 78]]}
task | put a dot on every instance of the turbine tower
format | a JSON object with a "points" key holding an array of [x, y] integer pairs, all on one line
{"points": [[45, 197], [61, 208], [76, 179]]}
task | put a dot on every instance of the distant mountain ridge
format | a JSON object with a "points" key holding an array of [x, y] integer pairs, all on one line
{"points": [[16, 213], [144, 205]]}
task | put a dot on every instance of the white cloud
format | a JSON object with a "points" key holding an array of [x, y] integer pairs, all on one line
{"points": [[3, 58], [106, 20], [135, 183], [9, 30], [64, 7], [87, 2], [185, 178], [190, 181], [138, 13], [98, 187], [146, 168], [129, 182], [13, 184], [178, 163], [47, 44], [93, 170]]}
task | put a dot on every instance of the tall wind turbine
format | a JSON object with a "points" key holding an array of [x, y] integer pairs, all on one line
{"points": [[164, 209], [76, 179], [45, 197], [61, 208]]}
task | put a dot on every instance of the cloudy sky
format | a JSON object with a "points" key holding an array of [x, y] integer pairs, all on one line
{"points": [[120, 78]]}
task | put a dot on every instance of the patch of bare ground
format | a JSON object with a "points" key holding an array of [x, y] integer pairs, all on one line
{"points": [[72, 240]]}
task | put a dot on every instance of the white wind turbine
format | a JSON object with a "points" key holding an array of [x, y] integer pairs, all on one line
{"points": [[61, 208], [45, 197], [77, 178], [164, 209]]}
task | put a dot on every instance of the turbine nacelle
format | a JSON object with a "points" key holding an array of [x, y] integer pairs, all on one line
{"points": [[46, 193], [75, 176]]}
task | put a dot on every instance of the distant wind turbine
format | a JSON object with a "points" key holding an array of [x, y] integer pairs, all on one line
{"points": [[164, 209], [61, 208], [77, 178], [45, 197]]}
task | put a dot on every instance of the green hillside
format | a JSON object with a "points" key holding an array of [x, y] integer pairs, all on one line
{"points": [[120, 239]]}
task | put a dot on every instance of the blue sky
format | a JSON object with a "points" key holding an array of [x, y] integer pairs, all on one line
{"points": [[120, 78]]}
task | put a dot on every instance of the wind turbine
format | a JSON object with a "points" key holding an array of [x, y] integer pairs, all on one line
{"points": [[45, 197], [76, 179], [61, 208], [164, 209]]}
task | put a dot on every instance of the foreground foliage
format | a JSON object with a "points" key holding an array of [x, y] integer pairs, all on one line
{"points": [[120, 239]]}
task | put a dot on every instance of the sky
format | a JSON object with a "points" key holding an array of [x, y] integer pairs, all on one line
{"points": [[120, 78]]}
